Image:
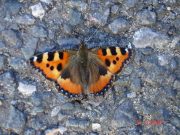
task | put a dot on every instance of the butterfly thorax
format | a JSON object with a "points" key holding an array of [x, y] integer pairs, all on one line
{"points": [[82, 55]]}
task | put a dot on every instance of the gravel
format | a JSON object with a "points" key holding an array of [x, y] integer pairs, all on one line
{"points": [[144, 98]]}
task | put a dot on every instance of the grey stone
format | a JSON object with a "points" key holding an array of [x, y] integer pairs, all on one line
{"points": [[169, 92], [67, 28], [147, 50], [8, 82], [17, 63], [74, 17], [98, 18], [124, 115], [12, 6], [12, 119], [10, 37], [155, 39], [118, 25], [67, 107], [2, 46], [127, 4], [176, 84], [36, 110], [38, 31], [177, 46], [2, 62], [27, 52], [146, 17], [61, 116], [36, 123], [29, 132], [78, 123], [173, 64], [68, 42], [30, 44], [36, 99], [79, 4], [170, 129], [114, 9], [24, 19], [175, 121]]}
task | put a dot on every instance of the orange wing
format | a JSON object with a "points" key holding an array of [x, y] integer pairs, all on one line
{"points": [[52, 65], [102, 85], [113, 59]]}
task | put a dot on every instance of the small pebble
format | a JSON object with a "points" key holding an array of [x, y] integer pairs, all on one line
{"points": [[55, 131], [46, 1], [96, 127], [55, 111], [131, 95], [26, 89]]}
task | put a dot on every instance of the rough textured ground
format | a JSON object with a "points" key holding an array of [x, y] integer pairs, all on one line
{"points": [[145, 97]]}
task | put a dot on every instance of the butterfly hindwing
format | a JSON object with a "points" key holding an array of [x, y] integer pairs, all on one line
{"points": [[68, 87], [101, 85], [114, 57]]}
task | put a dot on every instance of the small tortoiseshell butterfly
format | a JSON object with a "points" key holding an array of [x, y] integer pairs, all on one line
{"points": [[82, 72]]}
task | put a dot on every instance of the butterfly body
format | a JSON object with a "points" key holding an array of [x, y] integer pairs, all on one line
{"points": [[82, 72]]}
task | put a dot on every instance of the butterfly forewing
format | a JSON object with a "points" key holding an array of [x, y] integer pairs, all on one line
{"points": [[114, 57], [51, 63]]}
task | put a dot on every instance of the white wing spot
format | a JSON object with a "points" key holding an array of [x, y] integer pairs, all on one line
{"points": [[35, 58]]}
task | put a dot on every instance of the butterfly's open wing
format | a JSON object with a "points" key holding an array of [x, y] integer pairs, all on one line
{"points": [[53, 65], [112, 59]]}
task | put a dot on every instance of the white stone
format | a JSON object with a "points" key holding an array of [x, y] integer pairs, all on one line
{"points": [[96, 127], [46, 1], [163, 60], [131, 95], [26, 89], [55, 111], [38, 11], [56, 131]]}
